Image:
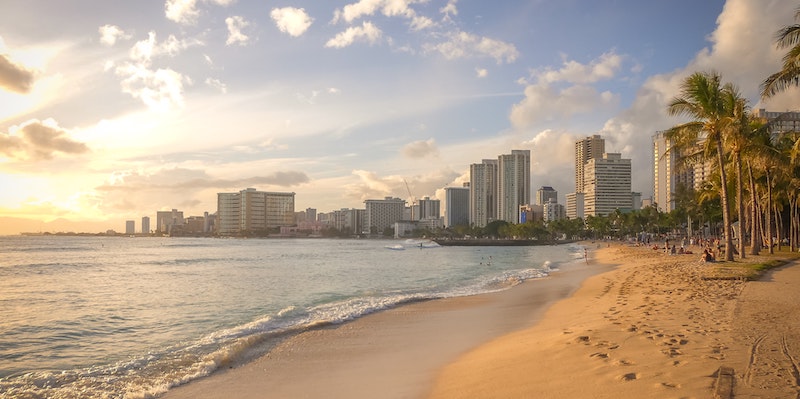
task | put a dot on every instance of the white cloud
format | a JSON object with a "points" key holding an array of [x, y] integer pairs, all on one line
{"points": [[388, 8], [109, 34], [366, 32], [481, 72], [217, 84], [159, 89], [466, 45], [185, 12], [548, 98], [294, 21], [602, 68], [235, 25], [420, 149], [450, 9]]}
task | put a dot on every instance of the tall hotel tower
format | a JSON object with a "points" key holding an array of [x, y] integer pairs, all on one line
{"points": [[483, 192], [586, 149], [513, 184]]}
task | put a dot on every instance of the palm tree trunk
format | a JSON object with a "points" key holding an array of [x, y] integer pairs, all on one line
{"points": [[768, 217], [755, 233], [723, 194], [737, 163]]}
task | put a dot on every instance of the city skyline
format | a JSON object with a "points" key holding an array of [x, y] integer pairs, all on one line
{"points": [[105, 116]]}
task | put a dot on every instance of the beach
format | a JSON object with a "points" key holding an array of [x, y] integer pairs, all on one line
{"points": [[633, 322]]}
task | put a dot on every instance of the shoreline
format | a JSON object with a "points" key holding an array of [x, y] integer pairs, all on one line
{"points": [[394, 353], [633, 323]]}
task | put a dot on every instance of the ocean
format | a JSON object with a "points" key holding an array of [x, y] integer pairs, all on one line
{"points": [[122, 317]]}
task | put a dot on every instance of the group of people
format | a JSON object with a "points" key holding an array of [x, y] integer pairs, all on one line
{"points": [[708, 252]]}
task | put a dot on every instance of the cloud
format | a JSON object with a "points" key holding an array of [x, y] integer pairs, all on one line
{"points": [[294, 21], [215, 83], [109, 34], [561, 93], [420, 149], [604, 67], [185, 12], [39, 140], [370, 185], [179, 179], [481, 72], [235, 36], [388, 8], [15, 77], [450, 9], [467, 45], [366, 32], [159, 88]]}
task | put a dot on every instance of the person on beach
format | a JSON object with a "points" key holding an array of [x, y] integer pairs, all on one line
{"points": [[707, 256], [585, 256]]}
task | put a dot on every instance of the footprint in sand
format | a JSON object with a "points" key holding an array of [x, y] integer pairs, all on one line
{"points": [[629, 377]]}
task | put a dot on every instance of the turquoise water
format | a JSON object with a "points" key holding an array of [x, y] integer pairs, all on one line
{"points": [[84, 317]]}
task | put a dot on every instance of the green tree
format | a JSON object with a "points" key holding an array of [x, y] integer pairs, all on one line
{"points": [[789, 75], [702, 99]]}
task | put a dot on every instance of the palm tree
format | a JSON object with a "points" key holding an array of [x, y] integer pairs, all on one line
{"points": [[702, 98], [789, 75], [736, 138]]}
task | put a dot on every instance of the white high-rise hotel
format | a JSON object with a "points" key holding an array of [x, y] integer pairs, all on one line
{"points": [[499, 187], [602, 180], [251, 211]]}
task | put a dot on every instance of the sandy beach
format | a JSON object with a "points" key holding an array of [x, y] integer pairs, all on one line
{"points": [[632, 323]]}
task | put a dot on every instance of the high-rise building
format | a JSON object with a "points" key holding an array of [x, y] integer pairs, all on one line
{"points": [[575, 205], [382, 214], [130, 227], [145, 225], [167, 220], [250, 211], [607, 185], [780, 121], [586, 149], [551, 210], [668, 174], [513, 184], [483, 192], [545, 194], [456, 208], [429, 209]]}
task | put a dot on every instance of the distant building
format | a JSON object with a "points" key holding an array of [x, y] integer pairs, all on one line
{"points": [[546, 193], [551, 210], [781, 122], [530, 213], [429, 209], [251, 211], [575, 205], [167, 220], [586, 149], [345, 220], [456, 208], [145, 225], [483, 192], [513, 184], [130, 227], [669, 174], [607, 185], [382, 214]]}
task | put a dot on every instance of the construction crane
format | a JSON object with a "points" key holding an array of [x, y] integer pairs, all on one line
{"points": [[413, 200]]}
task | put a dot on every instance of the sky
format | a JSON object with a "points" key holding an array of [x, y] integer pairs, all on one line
{"points": [[111, 110]]}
